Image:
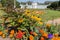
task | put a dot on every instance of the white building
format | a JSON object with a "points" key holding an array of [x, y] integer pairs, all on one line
{"points": [[34, 5]]}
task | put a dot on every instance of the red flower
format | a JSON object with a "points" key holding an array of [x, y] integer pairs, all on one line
{"points": [[19, 35], [31, 32]]}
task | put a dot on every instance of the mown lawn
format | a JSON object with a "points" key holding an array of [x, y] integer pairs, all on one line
{"points": [[50, 14]]}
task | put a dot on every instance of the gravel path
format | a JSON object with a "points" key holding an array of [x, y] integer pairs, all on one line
{"points": [[4, 38], [55, 21]]}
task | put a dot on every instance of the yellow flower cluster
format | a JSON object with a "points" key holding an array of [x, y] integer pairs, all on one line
{"points": [[28, 15], [36, 18]]}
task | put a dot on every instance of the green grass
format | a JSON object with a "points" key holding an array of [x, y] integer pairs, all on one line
{"points": [[2, 13], [50, 14]]}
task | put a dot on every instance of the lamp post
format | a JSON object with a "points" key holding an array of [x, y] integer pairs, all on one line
{"points": [[14, 3]]}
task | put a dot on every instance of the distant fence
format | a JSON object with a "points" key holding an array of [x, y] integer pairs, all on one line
{"points": [[34, 6]]}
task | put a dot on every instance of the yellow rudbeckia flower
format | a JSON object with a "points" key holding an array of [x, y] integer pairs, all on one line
{"points": [[38, 19], [41, 23], [20, 20], [27, 11]]}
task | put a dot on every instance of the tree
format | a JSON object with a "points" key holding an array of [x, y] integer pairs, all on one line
{"points": [[17, 4], [11, 3], [59, 2], [29, 2], [54, 5], [3, 2]]}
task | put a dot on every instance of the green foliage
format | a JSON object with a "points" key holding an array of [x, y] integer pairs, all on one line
{"points": [[54, 5], [7, 3], [3, 2], [17, 4], [50, 14]]}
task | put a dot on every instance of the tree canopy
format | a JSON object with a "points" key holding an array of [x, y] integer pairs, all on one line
{"points": [[6, 3], [54, 5]]}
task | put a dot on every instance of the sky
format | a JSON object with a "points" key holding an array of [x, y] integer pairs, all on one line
{"points": [[40, 1]]}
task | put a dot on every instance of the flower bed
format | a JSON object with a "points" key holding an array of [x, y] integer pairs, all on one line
{"points": [[27, 25]]}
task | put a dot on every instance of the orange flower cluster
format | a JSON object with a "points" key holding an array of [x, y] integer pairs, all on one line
{"points": [[27, 25], [2, 34], [31, 37], [11, 34], [40, 12]]}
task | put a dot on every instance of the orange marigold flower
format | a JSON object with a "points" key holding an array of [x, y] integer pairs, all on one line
{"points": [[24, 32], [3, 35], [35, 34], [45, 35], [11, 35], [42, 38], [55, 38], [1, 32], [58, 38], [41, 31], [12, 32], [48, 25], [56, 35], [31, 37]]}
